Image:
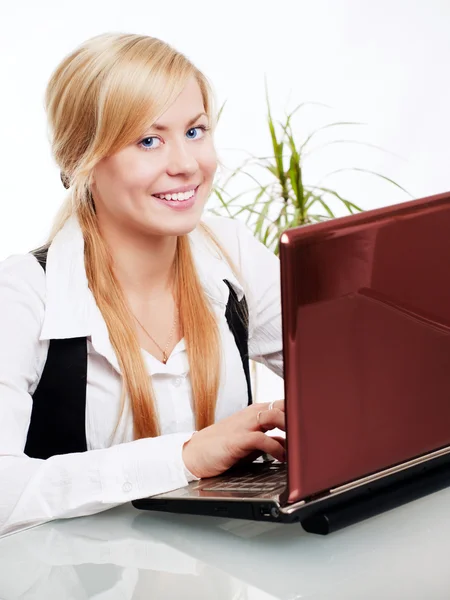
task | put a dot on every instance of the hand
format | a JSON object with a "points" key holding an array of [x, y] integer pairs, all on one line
{"points": [[218, 447]]}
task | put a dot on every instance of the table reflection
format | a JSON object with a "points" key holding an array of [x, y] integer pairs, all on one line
{"points": [[131, 555], [105, 558]]}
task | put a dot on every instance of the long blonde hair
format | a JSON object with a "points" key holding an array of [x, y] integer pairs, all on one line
{"points": [[98, 100]]}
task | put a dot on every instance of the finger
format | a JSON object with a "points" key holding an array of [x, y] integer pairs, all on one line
{"points": [[279, 439], [260, 441], [269, 405], [278, 404], [257, 453], [269, 419], [249, 458]]}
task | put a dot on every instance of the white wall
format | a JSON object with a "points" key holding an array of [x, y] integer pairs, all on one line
{"points": [[384, 63]]}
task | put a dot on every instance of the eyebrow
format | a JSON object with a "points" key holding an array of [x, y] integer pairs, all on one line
{"points": [[164, 128]]}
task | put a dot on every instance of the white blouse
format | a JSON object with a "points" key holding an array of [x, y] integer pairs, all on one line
{"points": [[36, 307]]}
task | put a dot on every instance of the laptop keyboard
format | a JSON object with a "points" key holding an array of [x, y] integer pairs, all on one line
{"points": [[271, 479]]}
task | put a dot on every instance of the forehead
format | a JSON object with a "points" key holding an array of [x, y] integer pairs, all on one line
{"points": [[187, 108]]}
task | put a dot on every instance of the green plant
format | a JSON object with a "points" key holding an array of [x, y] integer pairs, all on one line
{"points": [[285, 201]]}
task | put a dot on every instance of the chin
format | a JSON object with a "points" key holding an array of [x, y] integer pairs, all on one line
{"points": [[175, 226], [184, 229]]}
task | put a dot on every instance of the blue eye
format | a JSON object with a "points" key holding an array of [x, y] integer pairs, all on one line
{"points": [[201, 127], [151, 145], [148, 143]]}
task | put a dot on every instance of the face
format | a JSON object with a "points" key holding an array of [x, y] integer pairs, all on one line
{"points": [[158, 185]]}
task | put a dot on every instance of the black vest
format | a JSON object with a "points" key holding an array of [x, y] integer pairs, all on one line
{"points": [[58, 424]]}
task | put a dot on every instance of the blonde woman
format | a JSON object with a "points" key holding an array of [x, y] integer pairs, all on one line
{"points": [[125, 340]]}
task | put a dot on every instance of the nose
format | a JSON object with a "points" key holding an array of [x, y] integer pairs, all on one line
{"points": [[181, 160]]}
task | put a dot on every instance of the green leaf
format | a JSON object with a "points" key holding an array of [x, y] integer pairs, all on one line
{"points": [[222, 201], [356, 142], [326, 207], [294, 173], [317, 218], [323, 127], [370, 172], [347, 203], [251, 207], [237, 171], [253, 178], [272, 169], [308, 103], [217, 190], [276, 145], [261, 218], [219, 114], [293, 176]]}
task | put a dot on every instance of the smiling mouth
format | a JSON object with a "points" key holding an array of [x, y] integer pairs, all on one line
{"points": [[179, 202], [178, 197]]}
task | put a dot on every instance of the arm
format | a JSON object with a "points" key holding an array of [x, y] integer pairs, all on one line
{"points": [[33, 491], [260, 270]]}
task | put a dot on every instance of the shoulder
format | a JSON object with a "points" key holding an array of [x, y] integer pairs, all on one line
{"points": [[22, 274], [228, 231], [22, 266], [239, 242]]}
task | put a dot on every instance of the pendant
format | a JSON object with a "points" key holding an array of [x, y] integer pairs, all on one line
{"points": [[165, 357]]}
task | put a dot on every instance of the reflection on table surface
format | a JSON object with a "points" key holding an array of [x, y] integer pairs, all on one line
{"points": [[127, 554]]}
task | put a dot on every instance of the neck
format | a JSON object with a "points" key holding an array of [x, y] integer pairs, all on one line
{"points": [[143, 265]]}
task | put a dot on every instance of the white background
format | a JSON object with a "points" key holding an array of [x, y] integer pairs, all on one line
{"points": [[383, 63]]}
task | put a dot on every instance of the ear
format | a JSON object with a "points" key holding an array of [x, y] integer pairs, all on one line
{"points": [[65, 180]]}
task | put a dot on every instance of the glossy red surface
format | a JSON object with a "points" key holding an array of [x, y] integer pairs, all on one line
{"points": [[366, 332]]}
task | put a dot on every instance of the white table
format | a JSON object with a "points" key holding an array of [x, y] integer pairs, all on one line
{"points": [[128, 554]]}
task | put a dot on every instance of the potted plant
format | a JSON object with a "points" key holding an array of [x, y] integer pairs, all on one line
{"points": [[284, 199]]}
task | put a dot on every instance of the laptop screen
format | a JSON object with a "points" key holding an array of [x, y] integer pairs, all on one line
{"points": [[366, 326]]}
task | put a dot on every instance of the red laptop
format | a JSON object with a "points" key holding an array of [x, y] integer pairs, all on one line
{"points": [[366, 342]]}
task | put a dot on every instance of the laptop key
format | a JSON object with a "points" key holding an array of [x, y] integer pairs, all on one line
{"points": [[264, 482]]}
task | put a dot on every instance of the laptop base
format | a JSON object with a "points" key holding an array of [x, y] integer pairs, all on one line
{"points": [[323, 514], [412, 487], [264, 510]]}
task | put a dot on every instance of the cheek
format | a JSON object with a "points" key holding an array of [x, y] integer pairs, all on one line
{"points": [[208, 162], [136, 173], [135, 169], [116, 174]]}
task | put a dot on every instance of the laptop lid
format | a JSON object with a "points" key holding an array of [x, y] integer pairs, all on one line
{"points": [[366, 336]]}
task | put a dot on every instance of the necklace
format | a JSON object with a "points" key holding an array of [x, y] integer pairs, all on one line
{"points": [[163, 350]]}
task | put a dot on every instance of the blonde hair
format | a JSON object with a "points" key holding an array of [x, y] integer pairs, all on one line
{"points": [[98, 100]]}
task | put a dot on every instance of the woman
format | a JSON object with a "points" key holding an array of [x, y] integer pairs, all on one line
{"points": [[127, 333]]}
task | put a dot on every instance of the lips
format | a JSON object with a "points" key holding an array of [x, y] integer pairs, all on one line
{"points": [[181, 190], [177, 196], [179, 204]]}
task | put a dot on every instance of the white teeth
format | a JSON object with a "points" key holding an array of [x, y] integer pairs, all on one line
{"points": [[180, 197]]}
